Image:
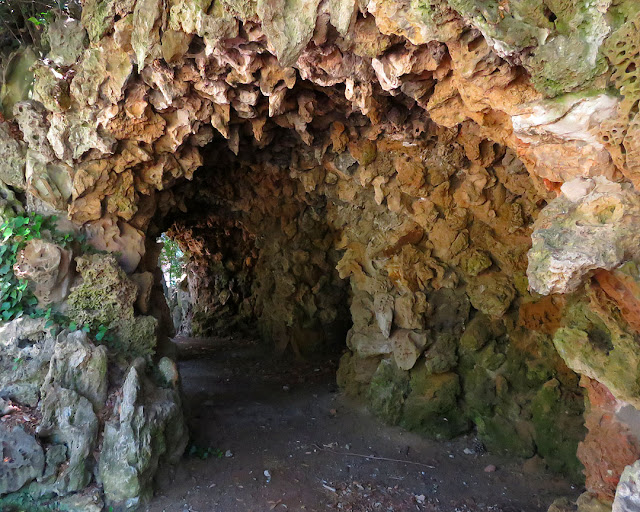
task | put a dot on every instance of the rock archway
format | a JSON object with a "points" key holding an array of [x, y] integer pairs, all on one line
{"points": [[444, 169]]}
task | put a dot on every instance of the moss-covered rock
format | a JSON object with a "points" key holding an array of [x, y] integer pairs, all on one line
{"points": [[432, 405], [355, 373], [559, 426], [387, 391], [491, 293], [597, 343], [105, 298]]}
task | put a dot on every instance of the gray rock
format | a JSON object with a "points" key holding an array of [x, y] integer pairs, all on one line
{"points": [[32, 119], [25, 351], [68, 418], [628, 491], [22, 456], [576, 234], [80, 366], [12, 159], [148, 428], [88, 501], [67, 38]]}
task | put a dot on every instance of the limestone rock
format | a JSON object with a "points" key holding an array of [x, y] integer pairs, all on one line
{"points": [[88, 501], [26, 348], [105, 297], [17, 81], [69, 418], [22, 456], [387, 391], [611, 443], [80, 366], [47, 266], [113, 235], [31, 117], [147, 25], [492, 294], [628, 492], [432, 405], [441, 356], [288, 26], [147, 427], [12, 158], [575, 236], [407, 347], [101, 75], [561, 139], [67, 38], [49, 182], [369, 342], [383, 305]]}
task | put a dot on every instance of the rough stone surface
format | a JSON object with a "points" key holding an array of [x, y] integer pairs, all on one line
{"points": [[627, 497], [147, 427], [22, 455], [26, 348], [428, 167], [575, 235]]}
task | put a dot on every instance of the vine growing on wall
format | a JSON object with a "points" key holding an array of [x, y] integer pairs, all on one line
{"points": [[16, 297]]}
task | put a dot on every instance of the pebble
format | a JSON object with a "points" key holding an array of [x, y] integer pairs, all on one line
{"points": [[490, 468]]}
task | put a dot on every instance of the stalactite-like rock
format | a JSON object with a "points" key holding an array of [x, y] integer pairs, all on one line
{"points": [[426, 168]]}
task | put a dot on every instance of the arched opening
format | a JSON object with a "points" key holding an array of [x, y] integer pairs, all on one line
{"points": [[426, 207]]}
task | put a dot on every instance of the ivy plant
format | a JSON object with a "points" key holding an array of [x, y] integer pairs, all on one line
{"points": [[16, 298]]}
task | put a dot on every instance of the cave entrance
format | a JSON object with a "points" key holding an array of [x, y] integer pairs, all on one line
{"points": [[408, 261], [257, 256]]}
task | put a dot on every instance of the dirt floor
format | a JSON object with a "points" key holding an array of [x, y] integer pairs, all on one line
{"points": [[275, 435]]}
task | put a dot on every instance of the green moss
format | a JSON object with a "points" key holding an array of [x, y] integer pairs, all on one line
{"points": [[387, 391], [432, 405], [506, 435], [441, 356], [105, 296], [598, 344], [559, 426], [98, 17], [476, 334], [355, 373]]}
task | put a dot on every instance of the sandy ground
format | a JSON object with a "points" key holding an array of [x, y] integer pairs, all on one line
{"points": [[276, 435]]}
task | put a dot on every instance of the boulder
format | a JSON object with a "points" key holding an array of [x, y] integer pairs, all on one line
{"points": [[148, 427], [387, 391], [12, 158], [22, 458], [26, 348], [80, 366], [69, 418], [47, 266], [491, 294], [407, 347], [628, 491]]}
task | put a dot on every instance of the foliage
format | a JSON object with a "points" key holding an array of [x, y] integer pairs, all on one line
{"points": [[171, 261], [16, 298], [203, 453], [22, 21]]}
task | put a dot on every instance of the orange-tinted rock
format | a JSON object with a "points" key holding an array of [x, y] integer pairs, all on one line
{"points": [[610, 444], [621, 286]]}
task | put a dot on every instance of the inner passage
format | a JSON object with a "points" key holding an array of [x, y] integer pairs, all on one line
{"points": [[406, 260]]}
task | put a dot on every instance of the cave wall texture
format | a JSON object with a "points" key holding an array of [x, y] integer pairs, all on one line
{"points": [[453, 182]]}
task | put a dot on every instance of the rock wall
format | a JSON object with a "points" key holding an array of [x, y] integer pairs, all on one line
{"points": [[465, 169]]}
